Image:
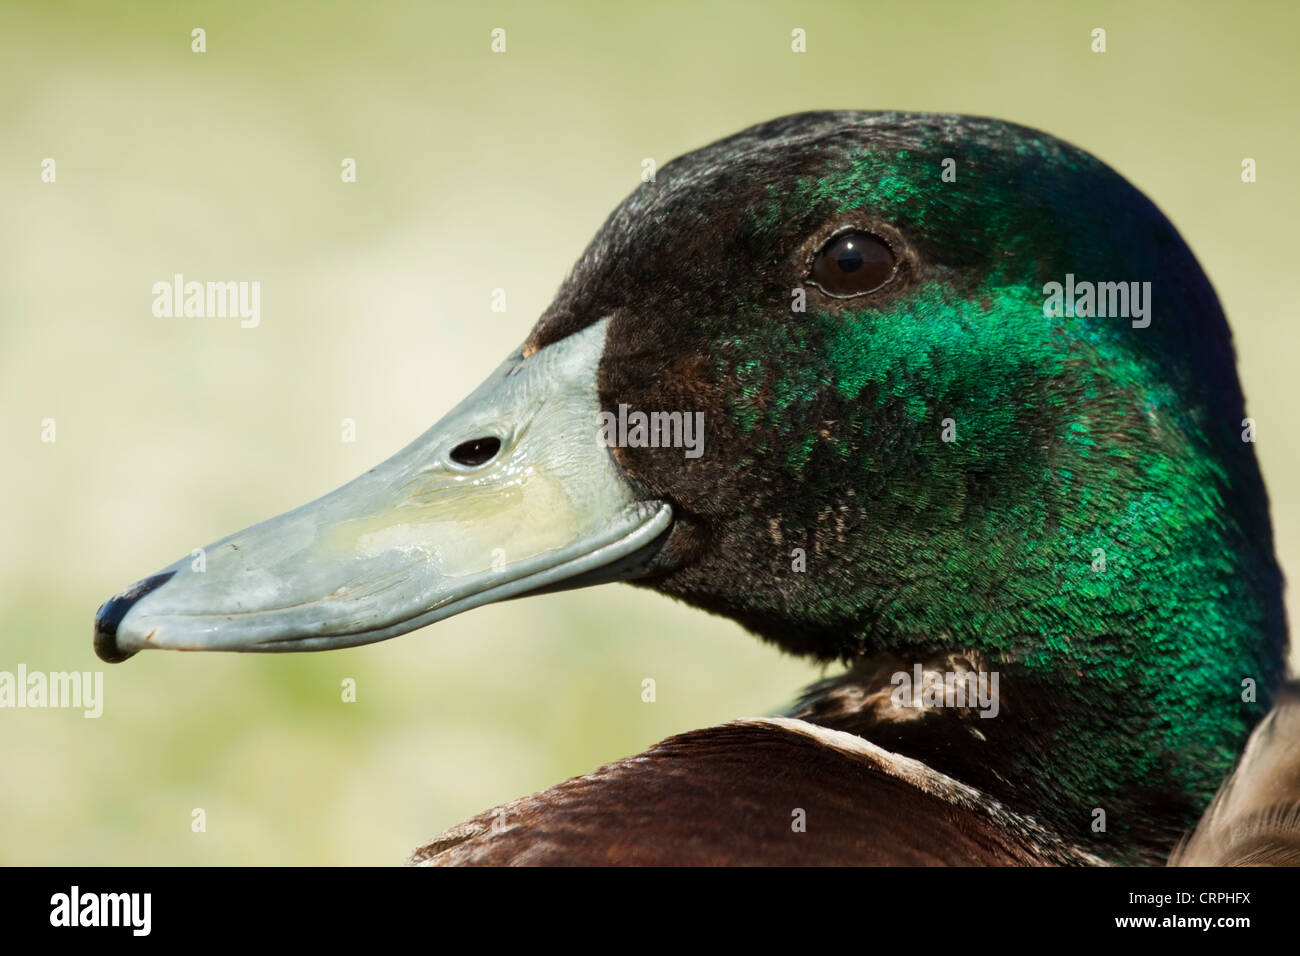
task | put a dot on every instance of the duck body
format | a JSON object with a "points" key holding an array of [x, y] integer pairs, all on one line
{"points": [[916, 459]]}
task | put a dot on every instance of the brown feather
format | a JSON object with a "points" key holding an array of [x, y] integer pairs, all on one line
{"points": [[1255, 817], [728, 795]]}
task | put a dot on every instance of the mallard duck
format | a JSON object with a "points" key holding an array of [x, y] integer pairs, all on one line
{"points": [[942, 397]]}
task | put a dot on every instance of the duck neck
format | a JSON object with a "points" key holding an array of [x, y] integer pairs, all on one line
{"points": [[1093, 765]]}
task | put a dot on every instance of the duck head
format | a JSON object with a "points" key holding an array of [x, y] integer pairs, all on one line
{"points": [[923, 384]]}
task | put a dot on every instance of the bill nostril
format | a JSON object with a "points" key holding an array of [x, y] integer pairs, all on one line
{"points": [[476, 451], [111, 612]]}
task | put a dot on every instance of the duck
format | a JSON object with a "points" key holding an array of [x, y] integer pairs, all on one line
{"points": [[969, 425]]}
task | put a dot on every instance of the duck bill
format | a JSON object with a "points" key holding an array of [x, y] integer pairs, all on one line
{"points": [[513, 492]]}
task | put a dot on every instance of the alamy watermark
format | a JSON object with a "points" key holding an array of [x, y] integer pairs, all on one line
{"points": [[131, 911], [72, 689], [1105, 300], [208, 300], [931, 688], [653, 430]]}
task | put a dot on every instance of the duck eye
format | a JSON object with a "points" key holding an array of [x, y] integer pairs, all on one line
{"points": [[476, 451], [854, 263]]}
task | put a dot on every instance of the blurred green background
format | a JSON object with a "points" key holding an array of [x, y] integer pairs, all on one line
{"points": [[475, 171]]}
